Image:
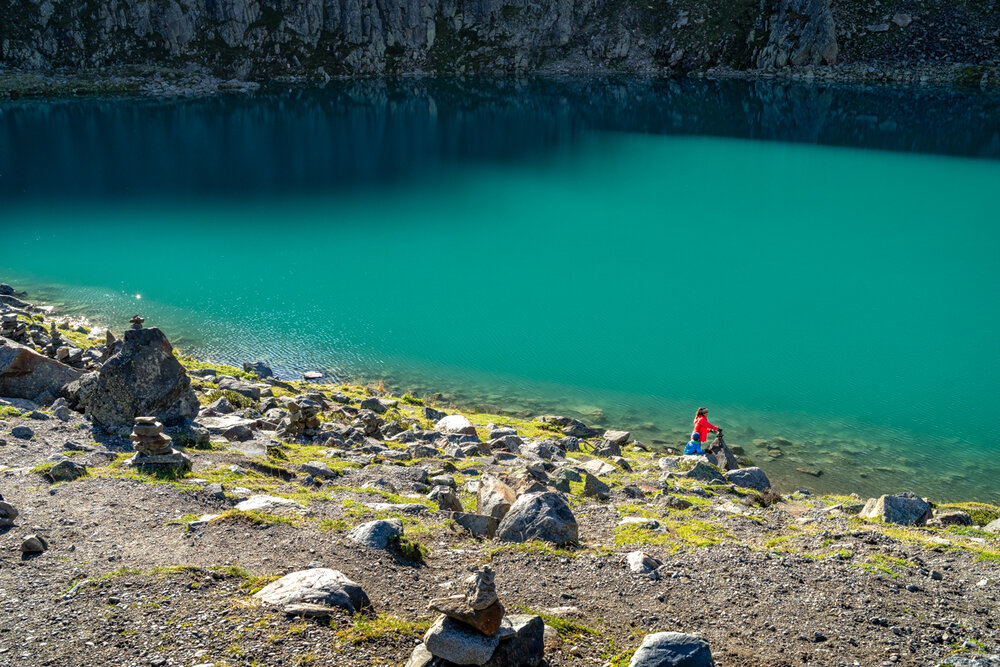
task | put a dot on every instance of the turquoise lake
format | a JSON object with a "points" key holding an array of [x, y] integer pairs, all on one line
{"points": [[819, 265]]}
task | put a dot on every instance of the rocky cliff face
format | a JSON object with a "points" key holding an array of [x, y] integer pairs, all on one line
{"points": [[268, 39]]}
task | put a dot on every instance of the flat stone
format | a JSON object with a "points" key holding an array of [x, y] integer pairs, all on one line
{"points": [[268, 504], [598, 467], [319, 470], [619, 438], [487, 620], [320, 586], [459, 643], [66, 471]]}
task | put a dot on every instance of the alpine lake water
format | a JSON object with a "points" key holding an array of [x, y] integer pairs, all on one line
{"points": [[817, 264]]}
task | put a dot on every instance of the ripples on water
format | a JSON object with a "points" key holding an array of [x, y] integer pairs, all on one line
{"points": [[559, 246]]}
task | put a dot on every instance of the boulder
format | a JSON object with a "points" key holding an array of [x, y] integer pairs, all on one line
{"points": [[421, 657], [617, 438], [434, 415], [66, 471], [640, 563], [525, 647], [578, 429], [456, 642], [238, 433], [455, 424], [446, 498], [22, 433], [319, 470], [598, 467], [142, 378], [221, 406], [993, 527], [7, 514], [672, 649], [6, 290], [378, 405], [955, 518], [907, 509], [749, 478], [673, 502], [33, 544], [494, 498], [316, 586], [479, 525], [703, 472], [595, 488], [27, 374], [268, 504], [258, 368], [376, 534], [237, 386], [541, 516]]}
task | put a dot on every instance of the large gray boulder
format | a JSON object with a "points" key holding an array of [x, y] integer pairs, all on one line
{"points": [[142, 378], [316, 586], [749, 478], [26, 374], [459, 643], [377, 534], [704, 473], [907, 509], [541, 516], [672, 649], [993, 527]]}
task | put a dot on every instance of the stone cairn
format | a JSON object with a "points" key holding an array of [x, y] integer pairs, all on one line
{"points": [[137, 321], [13, 328], [302, 420], [470, 627], [55, 342], [153, 450]]}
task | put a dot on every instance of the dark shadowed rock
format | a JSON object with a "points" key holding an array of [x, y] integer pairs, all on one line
{"points": [[525, 648], [26, 374], [704, 473], [539, 516], [258, 368], [143, 378], [7, 514], [66, 471], [672, 649]]}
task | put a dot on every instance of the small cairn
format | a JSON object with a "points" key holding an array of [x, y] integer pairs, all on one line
{"points": [[13, 328], [153, 450], [55, 342], [302, 420], [137, 321], [469, 629]]}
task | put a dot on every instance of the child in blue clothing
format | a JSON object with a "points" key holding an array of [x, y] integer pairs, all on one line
{"points": [[694, 447]]}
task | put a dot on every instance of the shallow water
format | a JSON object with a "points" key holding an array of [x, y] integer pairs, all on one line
{"points": [[813, 264]]}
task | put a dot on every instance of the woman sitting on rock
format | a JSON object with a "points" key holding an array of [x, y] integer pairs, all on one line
{"points": [[701, 425]]}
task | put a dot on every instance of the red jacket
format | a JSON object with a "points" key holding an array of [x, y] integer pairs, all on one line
{"points": [[702, 427]]}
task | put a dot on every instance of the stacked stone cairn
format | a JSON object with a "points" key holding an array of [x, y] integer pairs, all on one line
{"points": [[153, 450], [302, 420], [473, 630], [55, 342], [13, 328]]}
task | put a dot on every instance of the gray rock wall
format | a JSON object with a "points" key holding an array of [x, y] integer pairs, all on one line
{"points": [[272, 39]]}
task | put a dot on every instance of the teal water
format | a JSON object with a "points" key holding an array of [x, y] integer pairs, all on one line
{"points": [[840, 297]]}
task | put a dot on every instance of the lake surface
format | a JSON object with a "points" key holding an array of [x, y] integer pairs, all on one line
{"points": [[817, 264]]}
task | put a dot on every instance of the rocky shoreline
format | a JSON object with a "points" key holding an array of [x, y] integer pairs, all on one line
{"points": [[214, 515], [143, 83]]}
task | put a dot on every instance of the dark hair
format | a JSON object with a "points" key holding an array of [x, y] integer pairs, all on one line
{"points": [[701, 411]]}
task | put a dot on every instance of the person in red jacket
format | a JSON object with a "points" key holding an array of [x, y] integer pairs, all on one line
{"points": [[701, 425]]}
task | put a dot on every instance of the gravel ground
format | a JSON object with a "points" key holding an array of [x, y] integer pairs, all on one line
{"points": [[127, 581]]}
